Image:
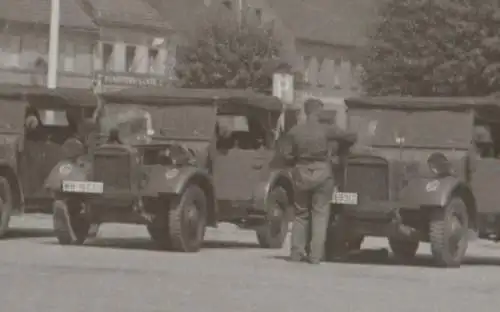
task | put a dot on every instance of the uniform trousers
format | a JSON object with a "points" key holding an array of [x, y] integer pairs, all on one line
{"points": [[312, 214]]}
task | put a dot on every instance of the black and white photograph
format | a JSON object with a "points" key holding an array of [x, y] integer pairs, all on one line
{"points": [[249, 155]]}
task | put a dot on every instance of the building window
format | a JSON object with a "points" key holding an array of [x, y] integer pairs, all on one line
{"points": [[153, 61], [33, 46], [337, 73], [228, 4], [10, 51], [107, 57], [67, 56], [83, 58], [131, 59], [258, 15]]}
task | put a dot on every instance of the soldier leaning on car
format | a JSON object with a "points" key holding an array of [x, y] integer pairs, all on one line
{"points": [[307, 149]]}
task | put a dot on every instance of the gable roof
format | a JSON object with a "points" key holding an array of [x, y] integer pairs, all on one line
{"points": [[127, 12], [179, 13], [38, 11], [339, 22]]}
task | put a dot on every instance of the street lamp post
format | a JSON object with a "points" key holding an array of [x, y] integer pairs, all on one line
{"points": [[54, 44]]}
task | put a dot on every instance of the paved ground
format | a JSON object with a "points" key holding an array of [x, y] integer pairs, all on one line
{"points": [[121, 271]]}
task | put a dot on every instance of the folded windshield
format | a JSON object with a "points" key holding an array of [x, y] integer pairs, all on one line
{"points": [[427, 129], [169, 121]]}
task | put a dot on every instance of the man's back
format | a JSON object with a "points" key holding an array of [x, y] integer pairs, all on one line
{"points": [[311, 140]]}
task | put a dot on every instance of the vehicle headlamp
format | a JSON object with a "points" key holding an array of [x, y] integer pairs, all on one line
{"points": [[439, 165]]}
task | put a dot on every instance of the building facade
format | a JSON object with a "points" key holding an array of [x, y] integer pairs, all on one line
{"points": [[122, 42], [24, 42], [323, 40], [136, 45]]}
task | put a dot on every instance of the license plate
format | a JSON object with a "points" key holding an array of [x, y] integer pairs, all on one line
{"points": [[345, 198], [83, 187]]}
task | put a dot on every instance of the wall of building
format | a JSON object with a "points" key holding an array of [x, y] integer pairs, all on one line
{"points": [[123, 57], [128, 57], [24, 50]]}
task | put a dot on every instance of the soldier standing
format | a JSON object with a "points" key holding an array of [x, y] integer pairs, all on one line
{"points": [[306, 149]]}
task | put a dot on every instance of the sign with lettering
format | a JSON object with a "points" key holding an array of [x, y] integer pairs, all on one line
{"points": [[283, 87], [129, 80]]}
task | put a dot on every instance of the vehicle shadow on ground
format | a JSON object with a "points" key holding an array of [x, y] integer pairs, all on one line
{"points": [[15, 233], [148, 244], [377, 257]]}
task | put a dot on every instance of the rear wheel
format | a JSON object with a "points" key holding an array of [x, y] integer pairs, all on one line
{"points": [[273, 233], [404, 250], [448, 233], [71, 226], [6, 205], [187, 220]]}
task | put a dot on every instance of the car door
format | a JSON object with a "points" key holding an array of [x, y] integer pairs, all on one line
{"points": [[37, 161], [237, 172], [42, 151], [485, 185]]}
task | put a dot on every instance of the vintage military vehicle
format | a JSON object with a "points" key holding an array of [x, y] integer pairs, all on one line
{"points": [[179, 160], [34, 124], [418, 173]]}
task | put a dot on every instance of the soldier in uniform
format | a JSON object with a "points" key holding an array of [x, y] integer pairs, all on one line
{"points": [[306, 149]]}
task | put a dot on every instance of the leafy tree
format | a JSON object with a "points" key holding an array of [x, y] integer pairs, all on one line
{"points": [[222, 53], [435, 47]]}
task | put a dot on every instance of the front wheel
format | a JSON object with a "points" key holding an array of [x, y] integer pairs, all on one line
{"points": [[6, 204], [71, 227], [187, 220], [448, 233], [273, 233]]}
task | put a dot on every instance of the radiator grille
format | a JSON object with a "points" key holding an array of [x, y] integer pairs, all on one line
{"points": [[113, 171], [370, 181]]}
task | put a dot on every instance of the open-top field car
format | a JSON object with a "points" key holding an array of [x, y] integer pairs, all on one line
{"points": [[423, 170], [179, 160], [34, 124]]}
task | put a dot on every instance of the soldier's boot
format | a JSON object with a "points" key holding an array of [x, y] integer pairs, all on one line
{"points": [[62, 223]]}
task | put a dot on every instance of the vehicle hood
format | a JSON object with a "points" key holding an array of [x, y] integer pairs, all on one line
{"points": [[412, 161]]}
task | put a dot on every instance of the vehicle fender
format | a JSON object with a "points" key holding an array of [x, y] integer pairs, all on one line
{"points": [[433, 191], [263, 189], [67, 170], [169, 180]]}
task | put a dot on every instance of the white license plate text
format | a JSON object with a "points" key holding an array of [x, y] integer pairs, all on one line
{"points": [[88, 187], [345, 198]]}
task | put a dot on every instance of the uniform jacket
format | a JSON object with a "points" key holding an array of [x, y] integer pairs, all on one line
{"points": [[309, 147]]}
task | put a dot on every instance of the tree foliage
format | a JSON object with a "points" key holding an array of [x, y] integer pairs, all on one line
{"points": [[222, 53], [435, 47]]}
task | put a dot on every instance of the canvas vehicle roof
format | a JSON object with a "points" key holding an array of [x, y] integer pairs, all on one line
{"points": [[61, 97], [175, 96], [423, 103]]}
